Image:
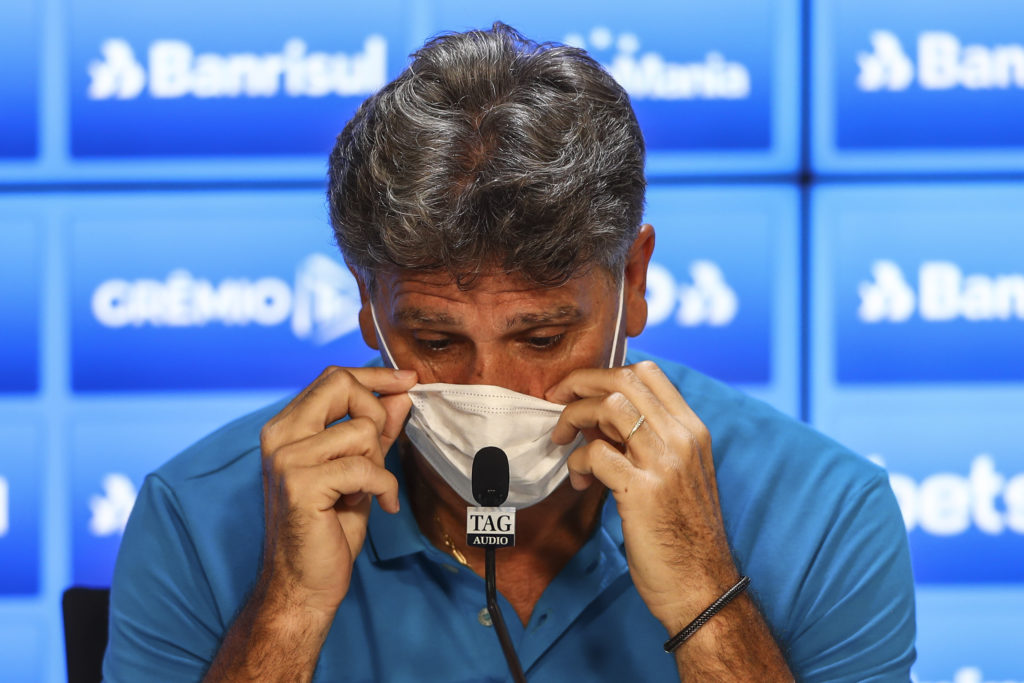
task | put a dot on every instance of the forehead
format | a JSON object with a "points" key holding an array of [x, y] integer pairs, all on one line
{"points": [[416, 297]]}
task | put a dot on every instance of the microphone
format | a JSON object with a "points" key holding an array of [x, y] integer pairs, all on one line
{"points": [[490, 476], [491, 526]]}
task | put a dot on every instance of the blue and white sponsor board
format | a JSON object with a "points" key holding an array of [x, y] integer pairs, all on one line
{"points": [[958, 474], [924, 86], [21, 504], [111, 454], [922, 284], [19, 79], [715, 85], [195, 292], [918, 308], [723, 285], [225, 79], [20, 283]]}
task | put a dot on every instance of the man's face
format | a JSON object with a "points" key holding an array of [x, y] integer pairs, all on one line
{"points": [[504, 331]]}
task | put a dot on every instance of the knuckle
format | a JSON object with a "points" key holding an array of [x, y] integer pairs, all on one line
{"points": [[616, 401], [269, 434], [364, 428]]}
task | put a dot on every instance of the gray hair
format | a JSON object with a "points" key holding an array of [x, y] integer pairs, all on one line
{"points": [[490, 150]]}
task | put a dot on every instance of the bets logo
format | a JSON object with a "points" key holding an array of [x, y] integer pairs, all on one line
{"points": [[110, 510]]}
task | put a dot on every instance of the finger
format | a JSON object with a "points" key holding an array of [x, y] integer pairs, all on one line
{"points": [[661, 386], [613, 414], [602, 461], [357, 436], [396, 409], [596, 382], [327, 483], [336, 394]]}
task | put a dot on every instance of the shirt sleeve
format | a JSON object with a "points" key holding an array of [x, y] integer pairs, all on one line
{"points": [[164, 624], [858, 597]]}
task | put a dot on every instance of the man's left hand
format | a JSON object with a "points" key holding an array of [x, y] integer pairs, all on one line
{"points": [[663, 479]]}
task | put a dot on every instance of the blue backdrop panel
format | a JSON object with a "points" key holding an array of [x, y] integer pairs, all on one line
{"points": [[21, 505], [923, 86], [728, 312], [714, 86], [248, 79], [969, 635], [19, 105], [199, 292], [926, 283], [24, 651], [21, 277]]}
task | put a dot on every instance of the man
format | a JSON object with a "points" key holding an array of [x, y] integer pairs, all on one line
{"points": [[489, 203]]}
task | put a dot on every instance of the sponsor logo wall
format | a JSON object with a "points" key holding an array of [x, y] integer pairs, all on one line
{"points": [[916, 330], [140, 308]]}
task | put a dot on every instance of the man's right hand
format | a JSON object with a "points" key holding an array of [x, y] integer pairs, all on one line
{"points": [[318, 479]]}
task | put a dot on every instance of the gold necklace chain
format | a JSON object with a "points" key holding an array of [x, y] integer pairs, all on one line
{"points": [[450, 544]]}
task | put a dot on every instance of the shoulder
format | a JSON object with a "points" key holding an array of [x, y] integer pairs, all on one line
{"points": [[220, 449]]}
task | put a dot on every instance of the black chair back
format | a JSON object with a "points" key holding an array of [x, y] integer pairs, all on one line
{"points": [[85, 632]]}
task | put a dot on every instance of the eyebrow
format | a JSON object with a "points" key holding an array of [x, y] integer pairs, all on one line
{"points": [[412, 314], [561, 315]]}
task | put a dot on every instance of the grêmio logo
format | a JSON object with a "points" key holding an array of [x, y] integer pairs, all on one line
{"points": [[943, 293], [174, 70], [943, 63], [949, 503], [321, 305]]}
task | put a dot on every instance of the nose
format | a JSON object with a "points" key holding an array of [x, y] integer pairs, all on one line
{"points": [[495, 367]]}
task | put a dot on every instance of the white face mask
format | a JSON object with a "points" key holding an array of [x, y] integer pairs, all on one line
{"points": [[449, 423]]}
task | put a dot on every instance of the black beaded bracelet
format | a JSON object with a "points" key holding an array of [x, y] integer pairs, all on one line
{"points": [[704, 617]]}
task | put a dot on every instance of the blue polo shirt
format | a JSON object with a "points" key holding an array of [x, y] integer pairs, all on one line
{"points": [[815, 527]]}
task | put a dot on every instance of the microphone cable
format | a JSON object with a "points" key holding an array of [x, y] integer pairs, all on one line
{"points": [[490, 490], [494, 610]]}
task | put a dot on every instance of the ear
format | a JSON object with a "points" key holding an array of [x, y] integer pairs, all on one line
{"points": [[365, 317], [635, 280]]}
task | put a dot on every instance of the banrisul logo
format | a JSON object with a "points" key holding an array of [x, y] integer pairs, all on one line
{"points": [[938, 61], [939, 292], [173, 69], [649, 75], [319, 306]]}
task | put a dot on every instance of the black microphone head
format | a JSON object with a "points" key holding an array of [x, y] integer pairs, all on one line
{"points": [[490, 476]]}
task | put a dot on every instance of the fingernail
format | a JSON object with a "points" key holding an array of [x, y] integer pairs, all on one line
{"points": [[405, 375]]}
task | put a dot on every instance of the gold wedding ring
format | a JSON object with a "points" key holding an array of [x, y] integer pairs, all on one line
{"points": [[639, 421]]}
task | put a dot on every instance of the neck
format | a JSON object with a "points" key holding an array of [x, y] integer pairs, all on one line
{"points": [[548, 534]]}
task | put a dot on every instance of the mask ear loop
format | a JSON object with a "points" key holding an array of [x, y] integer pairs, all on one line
{"points": [[618, 356], [385, 354]]}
